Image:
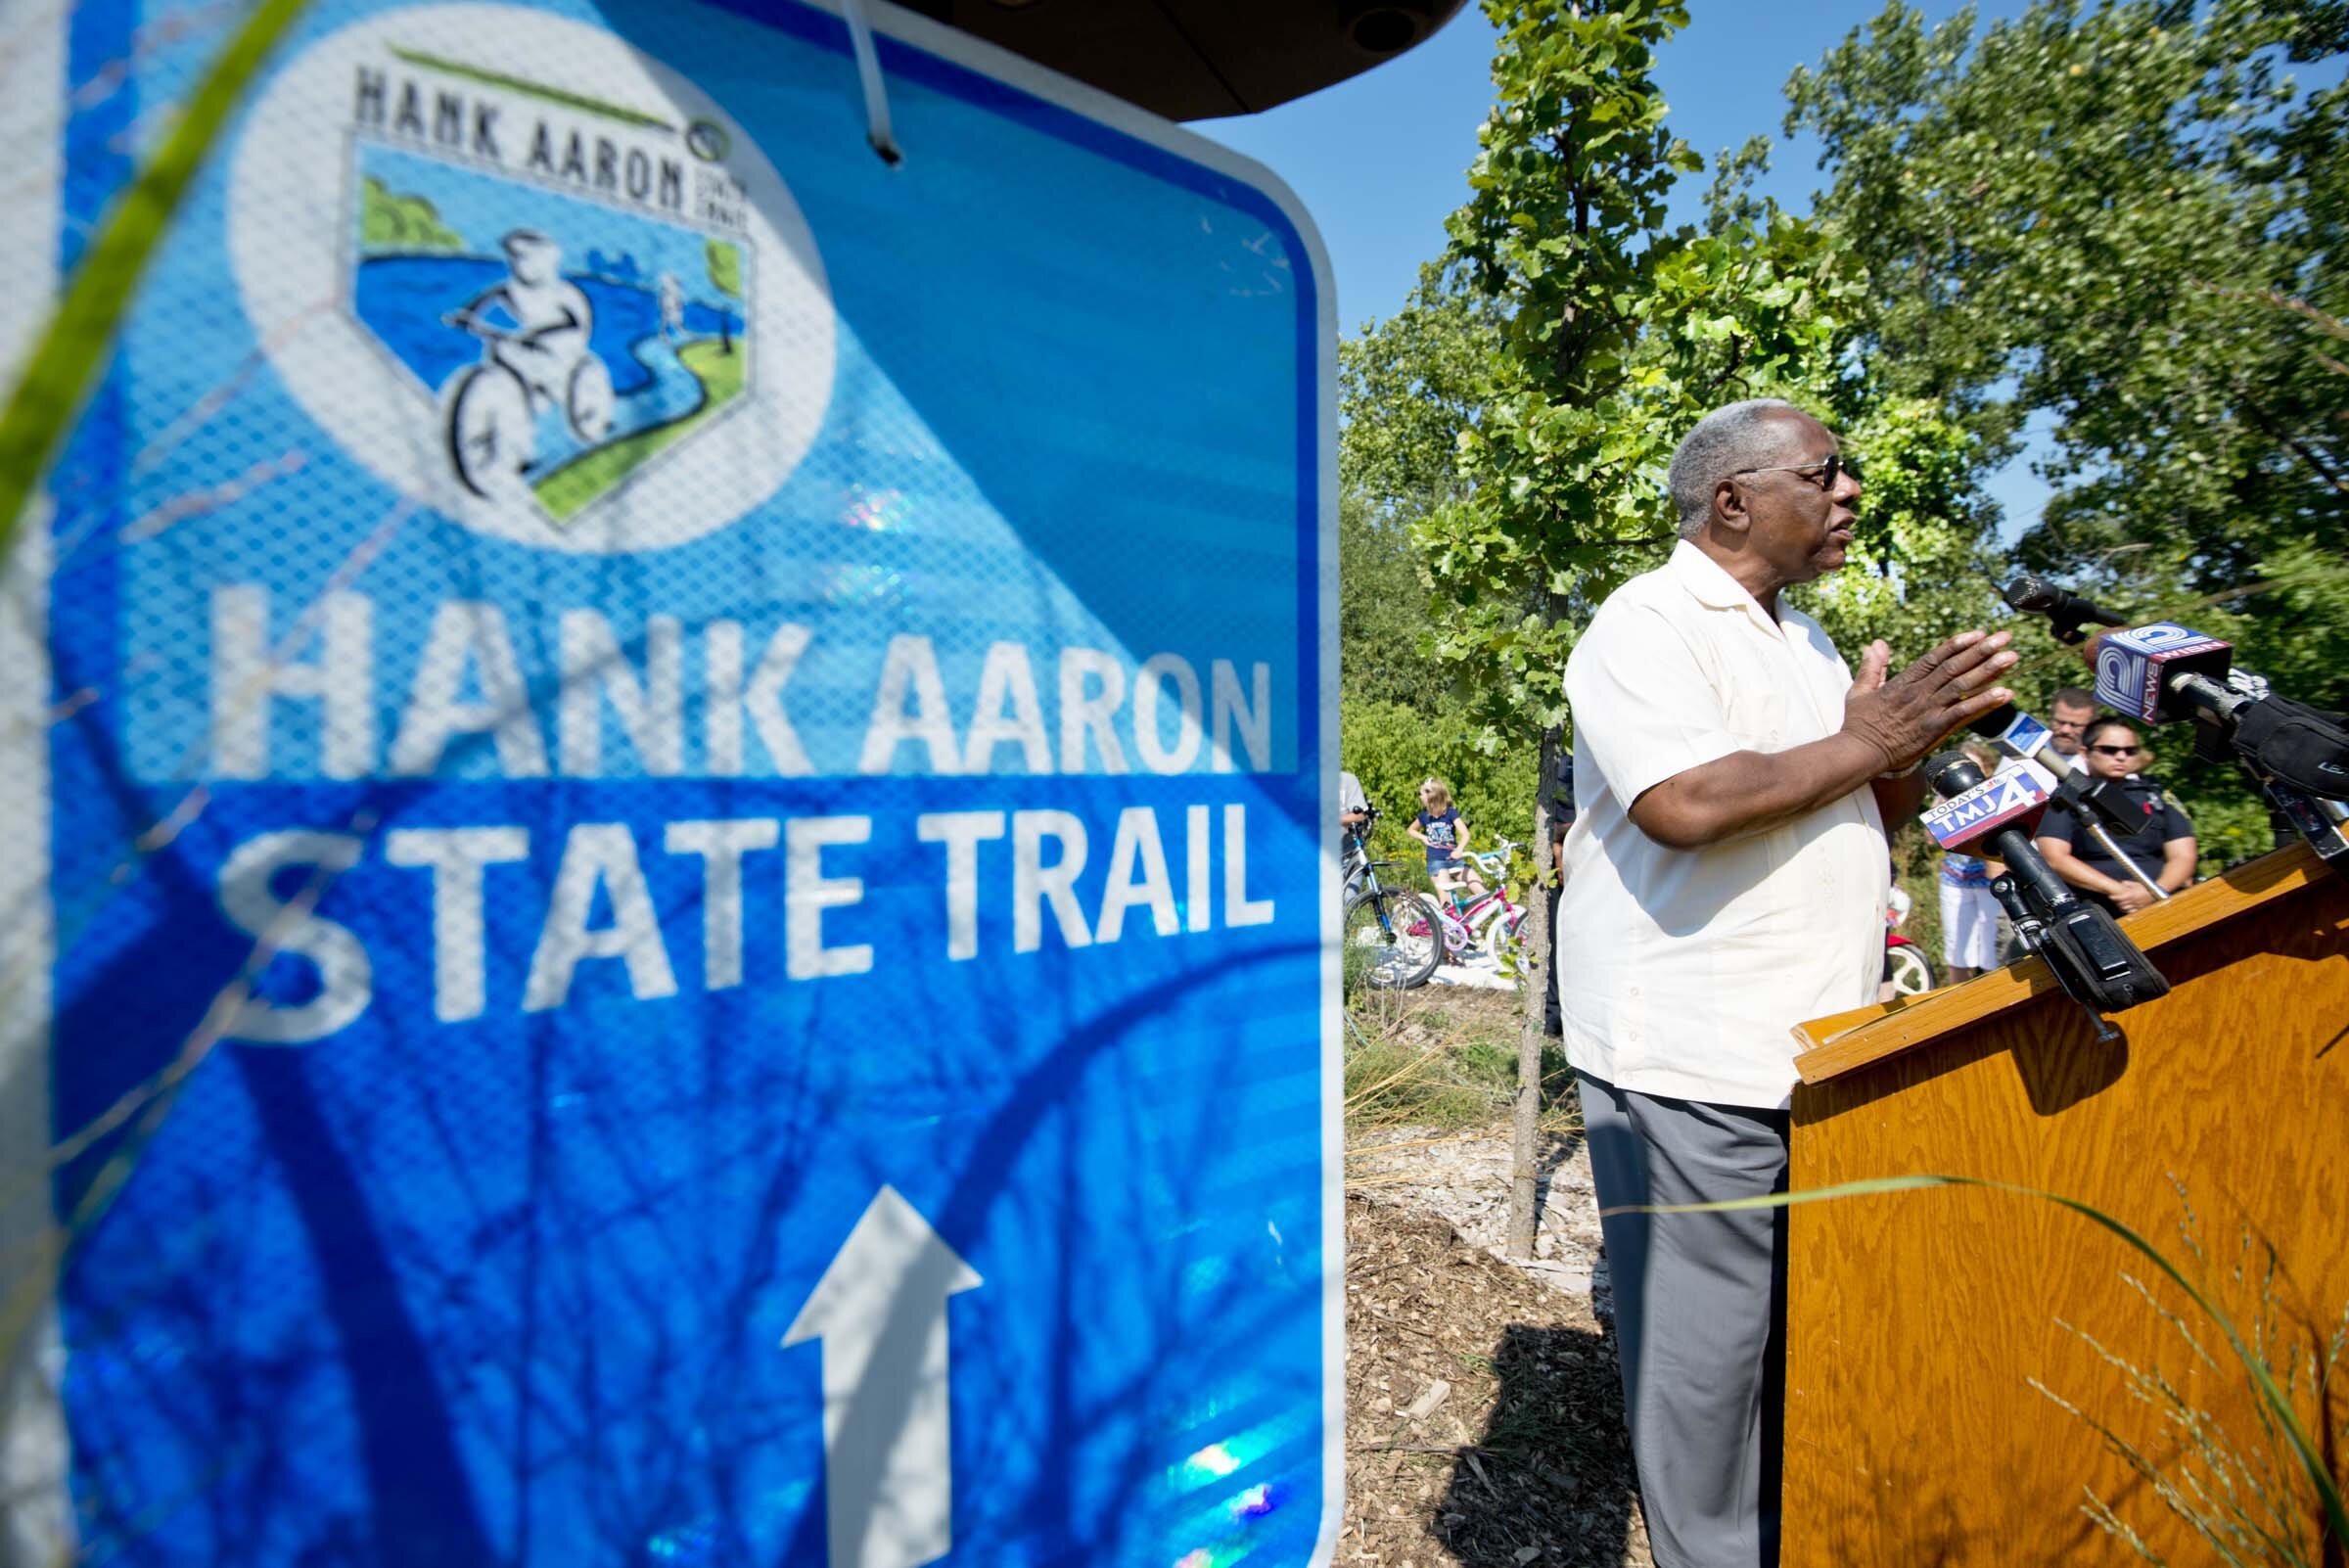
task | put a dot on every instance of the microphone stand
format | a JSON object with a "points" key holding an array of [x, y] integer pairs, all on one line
{"points": [[2160, 893], [2068, 788]]}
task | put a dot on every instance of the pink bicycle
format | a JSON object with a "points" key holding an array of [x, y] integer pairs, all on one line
{"points": [[1488, 923]]}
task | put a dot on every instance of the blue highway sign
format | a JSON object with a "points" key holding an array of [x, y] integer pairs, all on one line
{"points": [[682, 911]]}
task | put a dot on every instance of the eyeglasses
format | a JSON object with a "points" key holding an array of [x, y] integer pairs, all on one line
{"points": [[1830, 471], [2115, 750]]}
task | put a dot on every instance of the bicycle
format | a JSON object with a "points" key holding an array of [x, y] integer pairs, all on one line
{"points": [[493, 407], [1394, 929], [1906, 965], [1488, 922]]}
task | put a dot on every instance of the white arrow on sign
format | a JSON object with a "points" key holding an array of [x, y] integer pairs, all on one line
{"points": [[881, 1313]]}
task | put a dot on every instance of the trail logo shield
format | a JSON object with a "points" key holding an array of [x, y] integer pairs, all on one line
{"points": [[575, 305]]}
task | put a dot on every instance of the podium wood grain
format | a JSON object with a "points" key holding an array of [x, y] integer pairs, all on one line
{"points": [[1922, 1328]]}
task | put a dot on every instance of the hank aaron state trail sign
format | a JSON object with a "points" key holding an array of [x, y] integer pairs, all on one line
{"points": [[670, 814]]}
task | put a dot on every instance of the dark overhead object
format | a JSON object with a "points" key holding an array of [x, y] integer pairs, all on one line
{"points": [[1198, 58]]}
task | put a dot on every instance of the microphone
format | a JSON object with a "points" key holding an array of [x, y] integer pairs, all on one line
{"points": [[2086, 950], [2019, 735], [2165, 671], [2037, 595], [1991, 817], [2298, 754]]}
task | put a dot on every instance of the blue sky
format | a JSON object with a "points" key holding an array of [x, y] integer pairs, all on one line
{"points": [[1379, 161]]}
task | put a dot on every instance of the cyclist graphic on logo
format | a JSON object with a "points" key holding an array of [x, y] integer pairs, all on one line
{"points": [[536, 356]]}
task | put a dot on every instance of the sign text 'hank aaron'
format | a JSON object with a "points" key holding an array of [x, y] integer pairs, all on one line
{"points": [[467, 682]]}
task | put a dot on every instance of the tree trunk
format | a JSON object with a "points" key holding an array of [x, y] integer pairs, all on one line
{"points": [[1533, 961]]}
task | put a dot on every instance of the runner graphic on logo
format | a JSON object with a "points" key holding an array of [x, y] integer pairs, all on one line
{"points": [[672, 307]]}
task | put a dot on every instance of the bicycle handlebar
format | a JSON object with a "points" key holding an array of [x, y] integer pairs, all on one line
{"points": [[1499, 852]]}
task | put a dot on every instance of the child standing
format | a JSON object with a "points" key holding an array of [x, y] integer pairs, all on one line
{"points": [[1439, 826]]}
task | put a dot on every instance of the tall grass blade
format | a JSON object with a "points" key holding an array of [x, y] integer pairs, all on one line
{"points": [[2272, 1397], [74, 347]]}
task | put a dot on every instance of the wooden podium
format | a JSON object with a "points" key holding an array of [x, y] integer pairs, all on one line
{"points": [[1930, 1334]]}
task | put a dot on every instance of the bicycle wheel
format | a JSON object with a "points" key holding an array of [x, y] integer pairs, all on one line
{"points": [[1504, 941], [1912, 976], [490, 436], [1392, 933], [587, 401]]}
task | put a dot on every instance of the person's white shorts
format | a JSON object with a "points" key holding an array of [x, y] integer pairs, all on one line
{"points": [[1969, 927]]}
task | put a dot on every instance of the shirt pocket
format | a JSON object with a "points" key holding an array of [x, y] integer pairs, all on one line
{"points": [[1756, 715]]}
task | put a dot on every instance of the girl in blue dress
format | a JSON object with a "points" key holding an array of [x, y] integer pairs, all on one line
{"points": [[1439, 827]]}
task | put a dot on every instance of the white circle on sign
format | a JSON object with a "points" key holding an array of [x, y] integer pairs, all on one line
{"points": [[531, 277]]}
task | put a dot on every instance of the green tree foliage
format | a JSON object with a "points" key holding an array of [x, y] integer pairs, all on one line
{"points": [[2128, 217], [1392, 746], [1615, 336], [1408, 387], [2097, 213], [1382, 611]]}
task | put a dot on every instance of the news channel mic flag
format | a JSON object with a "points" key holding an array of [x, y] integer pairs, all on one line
{"points": [[668, 834]]}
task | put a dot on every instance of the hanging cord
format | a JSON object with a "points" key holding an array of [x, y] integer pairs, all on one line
{"points": [[859, 19]]}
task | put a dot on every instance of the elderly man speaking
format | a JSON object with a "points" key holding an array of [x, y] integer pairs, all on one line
{"points": [[1725, 879]]}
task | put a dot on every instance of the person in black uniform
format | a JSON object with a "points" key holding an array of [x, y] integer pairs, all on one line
{"points": [[2164, 845], [1561, 818]]}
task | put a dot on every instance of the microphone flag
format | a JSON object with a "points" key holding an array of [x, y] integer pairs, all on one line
{"points": [[1959, 824]]}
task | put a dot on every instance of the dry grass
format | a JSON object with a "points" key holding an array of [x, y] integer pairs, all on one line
{"points": [[1440, 1057], [2240, 1485]]}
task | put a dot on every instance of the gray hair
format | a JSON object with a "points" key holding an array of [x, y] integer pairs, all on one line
{"points": [[1732, 437]]}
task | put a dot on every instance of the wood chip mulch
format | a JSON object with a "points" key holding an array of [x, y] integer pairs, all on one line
{"points": [[1484, 1410]]}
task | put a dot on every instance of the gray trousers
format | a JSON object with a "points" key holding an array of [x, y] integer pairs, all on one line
{"points": [[1700, 1316]]}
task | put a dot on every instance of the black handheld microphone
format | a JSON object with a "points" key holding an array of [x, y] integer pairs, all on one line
{"points": [[2091, 957], [2068, 610]]}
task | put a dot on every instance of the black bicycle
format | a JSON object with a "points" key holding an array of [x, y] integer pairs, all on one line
{"points": [[1394, 934]]}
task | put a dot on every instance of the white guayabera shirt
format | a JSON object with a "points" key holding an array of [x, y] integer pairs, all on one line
{"points": [[1682, 971]]}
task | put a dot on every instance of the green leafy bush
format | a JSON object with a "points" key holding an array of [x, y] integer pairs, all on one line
{"points": [[1390, 747]]}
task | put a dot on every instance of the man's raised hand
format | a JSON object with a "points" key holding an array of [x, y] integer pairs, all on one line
{"points": [[1906, 717]]}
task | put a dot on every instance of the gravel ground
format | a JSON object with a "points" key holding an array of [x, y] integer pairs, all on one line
{"points": [[1484, 1406], [1463, 1179]]}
